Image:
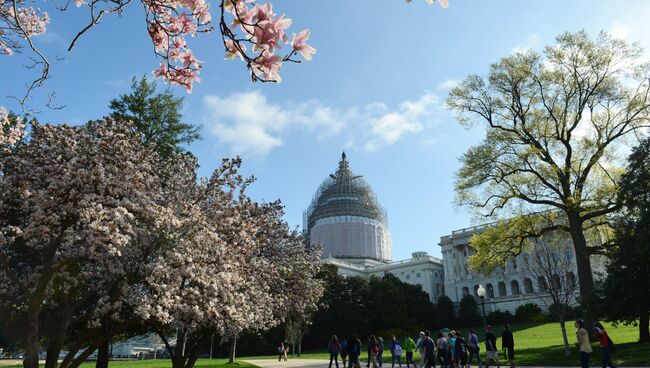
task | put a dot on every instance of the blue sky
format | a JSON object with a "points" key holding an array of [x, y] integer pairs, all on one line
{"points": [[376, 89]]}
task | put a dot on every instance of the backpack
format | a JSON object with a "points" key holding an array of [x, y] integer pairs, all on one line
{"points": [[354, 347], [398, 350], [344, 347], [280, 349], [375, 348]]}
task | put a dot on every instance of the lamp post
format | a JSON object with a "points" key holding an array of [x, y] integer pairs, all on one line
{"points": [[481, 293]]}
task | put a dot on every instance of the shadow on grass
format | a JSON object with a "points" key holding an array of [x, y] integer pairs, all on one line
{"points": [[627, 354]]}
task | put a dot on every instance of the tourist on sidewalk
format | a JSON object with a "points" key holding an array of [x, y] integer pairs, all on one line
{"points": [[334, 348], [396, 351], [491, 352], [474, 348], [508, 344], [409, 347], [452, 348], [420, 347], [606, 345], [429, 350], [461, 350], [354, 347], [380, 355], [583, 343], [344, 351], [443, 350], [373, 347]]}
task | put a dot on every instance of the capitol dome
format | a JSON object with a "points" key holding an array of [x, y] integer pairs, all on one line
{"points": [[345, 217]]}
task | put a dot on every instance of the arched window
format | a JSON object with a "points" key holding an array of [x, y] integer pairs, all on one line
{"points": [[489, 290], [556, 283], [476, 290], [571, 280], [437, 289], [465, 291], [502, 289], [541, 283], [514, 286], [528, 286]]}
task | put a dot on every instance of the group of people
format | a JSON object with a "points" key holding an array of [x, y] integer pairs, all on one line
{"points": [[449, 350], [584, 344]]}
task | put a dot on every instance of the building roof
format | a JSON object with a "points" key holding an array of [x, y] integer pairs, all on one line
{"points": [[343, 194]]}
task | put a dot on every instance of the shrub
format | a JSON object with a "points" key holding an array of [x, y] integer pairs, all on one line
{"points": [[468, 314], [529, 312], [570, 312], [445, 311], [499, 317]]}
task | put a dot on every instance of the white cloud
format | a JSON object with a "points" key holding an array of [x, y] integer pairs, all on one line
{"points": [[448, 84], [251, 125], [533, 41]]}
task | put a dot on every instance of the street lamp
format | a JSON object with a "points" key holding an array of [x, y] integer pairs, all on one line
{"points": [[481, 293]]}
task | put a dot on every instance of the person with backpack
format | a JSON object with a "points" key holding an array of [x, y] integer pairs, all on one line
{"points": [[583, 343], [491, 352], [474, 348], [461, 350], [396, 352], [334, 348], [280, 351], [508, 344], [409, 348], [606, 345], [344, 351], [354, 347], [373, 347], [429, 354], [452, 348], [286, 349], [420, 347], [380, 357]]}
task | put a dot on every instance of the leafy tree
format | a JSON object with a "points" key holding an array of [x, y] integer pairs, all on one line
{"points": [[468, 313], [156, 117], [554, 121], [623, 296], [445, 311]]}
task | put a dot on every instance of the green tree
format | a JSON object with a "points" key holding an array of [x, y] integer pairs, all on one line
{"points": [[156, 116], [445, 311], [554, 120], [623, 296], [468, 313]]}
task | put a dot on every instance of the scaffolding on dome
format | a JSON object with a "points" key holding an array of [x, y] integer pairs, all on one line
{"points": [[343, 194]]}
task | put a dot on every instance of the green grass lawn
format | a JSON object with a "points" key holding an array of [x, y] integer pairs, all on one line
{"points": [[537, 344], [166, 363]]}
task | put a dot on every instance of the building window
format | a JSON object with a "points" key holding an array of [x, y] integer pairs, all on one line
{"points": [[502, 289], [528, 286], [465, 291], [437, 289], [541, 283], [475, 290], [571, 280], [514, 286], [417, 275], [556, 283], [408, 277], [490, 290]]}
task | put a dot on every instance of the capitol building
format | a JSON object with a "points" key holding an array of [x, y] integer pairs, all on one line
{"points": [[346, 218]]}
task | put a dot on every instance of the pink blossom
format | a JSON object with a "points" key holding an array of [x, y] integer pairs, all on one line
{"points": [[300, 45], [269, 65]]}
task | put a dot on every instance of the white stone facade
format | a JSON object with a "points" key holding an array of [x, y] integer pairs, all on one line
{"points": [[352, 237]]}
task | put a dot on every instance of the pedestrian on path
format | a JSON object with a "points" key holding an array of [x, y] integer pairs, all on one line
{"points": [[420, 347], [286, 345], [380, 355], [354, 347], [344, 351], [429, 354], [461, 350], [409, 348], [491, 352], [396, 351], [583, 343], [474, 348], [606, 346], [452, 347], [443, 350], [334, 348], [373, 346], [508, 344]]}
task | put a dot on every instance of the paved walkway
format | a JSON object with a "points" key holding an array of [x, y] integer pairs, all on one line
{"points": [[319, 363]]}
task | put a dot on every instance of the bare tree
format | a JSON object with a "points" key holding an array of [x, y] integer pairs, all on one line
{"points": [[552, 263]]}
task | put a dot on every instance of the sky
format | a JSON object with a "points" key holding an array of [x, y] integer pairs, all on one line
{"points": [[376, 89]]}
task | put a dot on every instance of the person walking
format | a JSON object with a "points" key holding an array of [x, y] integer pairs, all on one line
{"points": [[369, 352], [606, 345], [280, 351], [354, 347], [452, 348], [508, 344], [409, 348], [344, 351], [491, 352], [334, 348], [461, 350], [428, 347], [583, 343], [373, 347], [474, 348], [396, 352], [420, 347], [380, 355], [286, 349], [443, 350]]}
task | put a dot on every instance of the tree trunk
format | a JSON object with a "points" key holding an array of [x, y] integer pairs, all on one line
{"points": [[583, 262], [644, 331], [299, 348], [233, 349], [103, 354], [53, 351], [178, 360], [31, 344], [567, 351]]}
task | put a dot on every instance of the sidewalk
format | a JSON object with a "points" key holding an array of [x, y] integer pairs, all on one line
{"points": [[321, 363]]}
